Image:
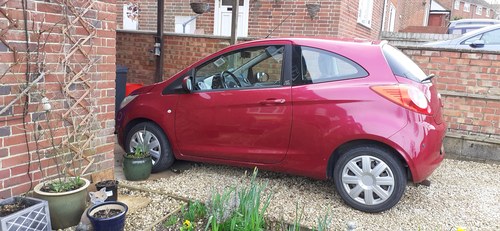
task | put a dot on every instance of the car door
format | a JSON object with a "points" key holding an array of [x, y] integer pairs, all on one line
{"points": [[240, 108]]}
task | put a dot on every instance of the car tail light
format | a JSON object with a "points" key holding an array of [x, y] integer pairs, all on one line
{"points": [[406, 96]]}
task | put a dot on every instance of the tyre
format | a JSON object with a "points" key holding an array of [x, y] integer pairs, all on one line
{"points": [[157, 142], [369, 178]]}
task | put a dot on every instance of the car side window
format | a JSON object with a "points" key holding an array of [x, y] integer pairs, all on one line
{"points": [[471, 40], [319, 66], [253, 67], [491, 37]]}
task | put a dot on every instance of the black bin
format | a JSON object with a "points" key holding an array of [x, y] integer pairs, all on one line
{"points": [[121, 82]]}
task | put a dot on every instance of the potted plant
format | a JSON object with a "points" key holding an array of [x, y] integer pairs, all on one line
{"points": [[66, 190], [108, 216], [66, 198], [138, 165], [24, 213], [111, 188]]}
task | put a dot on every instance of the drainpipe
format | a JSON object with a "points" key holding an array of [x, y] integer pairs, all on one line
{"points": [[382, 27], [158, 51]]}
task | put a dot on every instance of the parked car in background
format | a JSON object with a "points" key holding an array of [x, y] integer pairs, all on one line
{"points": [[463, 26], [362, 114], [486, 38]]}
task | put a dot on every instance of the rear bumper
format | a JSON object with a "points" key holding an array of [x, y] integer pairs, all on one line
{"points": [[422, 147]]}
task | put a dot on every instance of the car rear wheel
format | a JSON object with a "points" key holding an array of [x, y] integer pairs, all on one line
{"points": [[155, 140], [369, 178]]}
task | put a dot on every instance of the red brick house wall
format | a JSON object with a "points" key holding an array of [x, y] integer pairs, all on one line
{"points": [[19, 168], [460, 13], [413, 13], [336, 18]]}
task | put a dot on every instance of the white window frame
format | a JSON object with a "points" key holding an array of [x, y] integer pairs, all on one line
{"points": [[479, 10], [457, 5], [466, 7], [365, 13], [487, 12]]}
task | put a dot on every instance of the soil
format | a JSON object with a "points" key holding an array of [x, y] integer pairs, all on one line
{"points": [[106, 184], [8, 209], [108, 213]]}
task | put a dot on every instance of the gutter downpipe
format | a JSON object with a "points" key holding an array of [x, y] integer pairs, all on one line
{"points": [[383, 20]]}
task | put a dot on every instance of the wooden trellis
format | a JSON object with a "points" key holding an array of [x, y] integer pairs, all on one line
{"points": [[80, 113]]}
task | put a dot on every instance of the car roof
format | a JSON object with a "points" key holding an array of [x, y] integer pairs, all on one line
{"points": [[475, 20], [315, 40]]}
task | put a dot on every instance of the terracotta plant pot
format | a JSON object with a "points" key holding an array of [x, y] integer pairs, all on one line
{"points": [[66, 208]]}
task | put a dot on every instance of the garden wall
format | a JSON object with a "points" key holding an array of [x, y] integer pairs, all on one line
{"points": [[68, 57], [467, 80]]}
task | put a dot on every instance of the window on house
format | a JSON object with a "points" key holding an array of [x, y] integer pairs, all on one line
{"points": [[479, 10], [365, 11], [457, 5], [487, 12], [466, 7]]}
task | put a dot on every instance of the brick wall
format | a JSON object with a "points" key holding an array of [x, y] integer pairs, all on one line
{"points": [[93, 58], [413, 13], [469, 81], [460, 13], [180, 52], [336, 18]]}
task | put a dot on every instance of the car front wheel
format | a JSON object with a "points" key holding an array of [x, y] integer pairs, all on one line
{"points": [[369, 178], [155, 140]]}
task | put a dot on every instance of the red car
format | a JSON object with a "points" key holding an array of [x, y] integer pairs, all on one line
{"points": [[360, 113]]}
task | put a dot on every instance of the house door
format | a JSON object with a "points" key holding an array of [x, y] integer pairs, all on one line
{"points": [[223, 19]]}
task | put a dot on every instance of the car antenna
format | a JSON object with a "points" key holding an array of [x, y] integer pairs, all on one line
{"points": [[282, 21]]}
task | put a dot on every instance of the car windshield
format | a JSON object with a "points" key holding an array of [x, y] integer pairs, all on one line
{"points": [[401, 65]]}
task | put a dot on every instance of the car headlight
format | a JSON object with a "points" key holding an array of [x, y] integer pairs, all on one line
{"points": [[127, 100]]}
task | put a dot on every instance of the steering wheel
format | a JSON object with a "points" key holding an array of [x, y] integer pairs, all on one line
{"points": [[236, 80]]}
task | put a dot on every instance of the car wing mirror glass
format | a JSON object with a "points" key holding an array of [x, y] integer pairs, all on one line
{"points": [[262, 77], [477, 43], [187, 84]]}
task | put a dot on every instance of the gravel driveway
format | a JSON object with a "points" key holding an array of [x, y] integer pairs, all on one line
{"points": [[462, 194]]}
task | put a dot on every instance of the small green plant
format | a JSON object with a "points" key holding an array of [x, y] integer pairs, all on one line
{"points": [[172, 220], [239, 209], [195, 211], [298, 219], [324, 222], [141, 150], [64, 185]]}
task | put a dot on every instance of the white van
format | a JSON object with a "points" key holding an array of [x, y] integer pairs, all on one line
{"points": [[463, 26]]}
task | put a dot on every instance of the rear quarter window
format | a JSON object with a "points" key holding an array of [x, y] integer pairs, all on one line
{"points": [[401, 65], [318, 66]]}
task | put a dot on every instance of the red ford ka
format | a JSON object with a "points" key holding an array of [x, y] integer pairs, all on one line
{"points": [[360, 113]]}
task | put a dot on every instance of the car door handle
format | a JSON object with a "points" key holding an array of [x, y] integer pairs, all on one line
{"points": [[273, 101]]}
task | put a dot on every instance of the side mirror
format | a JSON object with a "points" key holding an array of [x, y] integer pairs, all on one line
{"points": [[262, 77], [477, 44], [187, 84]]}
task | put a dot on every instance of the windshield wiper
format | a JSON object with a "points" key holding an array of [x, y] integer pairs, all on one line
{"points": [[429, 77]]}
